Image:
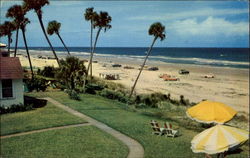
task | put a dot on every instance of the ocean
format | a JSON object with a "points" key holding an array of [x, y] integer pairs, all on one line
{"points": [[220, 57]]}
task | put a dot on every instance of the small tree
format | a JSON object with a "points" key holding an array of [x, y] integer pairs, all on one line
{"points": [[72, 73]]}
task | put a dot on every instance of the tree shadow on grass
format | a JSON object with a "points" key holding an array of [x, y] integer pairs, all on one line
{"points": [[34, 102]]}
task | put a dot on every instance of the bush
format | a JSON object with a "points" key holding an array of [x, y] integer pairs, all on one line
{"points": [[73, 94], [48, 71], [115, 95], [152, 100], [92, 88], [15, 108], [37, 84]]}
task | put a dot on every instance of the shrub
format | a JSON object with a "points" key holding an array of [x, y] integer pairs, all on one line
{"points": [[73, 94], [92, 88], [115, 95], [38, 84], [152, 100], [72, 73], [48, 71], [15, 108]]}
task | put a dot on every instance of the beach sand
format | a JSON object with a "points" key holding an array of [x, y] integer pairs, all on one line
{"points": [[230, 85]]}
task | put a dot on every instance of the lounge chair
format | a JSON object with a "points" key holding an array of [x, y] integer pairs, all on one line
{"points": [[164, 75], [156, 128], [169, 130], [170, 79]]}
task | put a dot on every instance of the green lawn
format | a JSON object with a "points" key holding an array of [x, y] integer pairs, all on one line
{"points": [[133, 124], [77, 142], [48, 116]]}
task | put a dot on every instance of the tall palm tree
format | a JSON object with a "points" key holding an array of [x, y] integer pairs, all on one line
{"points": [[6, 30], [16, 12], [101, 21], [22, 27], [54, 27], [37, 6], [158, 31], [90, 15]]}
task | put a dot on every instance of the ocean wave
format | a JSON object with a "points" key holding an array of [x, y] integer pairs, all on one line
{"points": [[197, 61], [203, 61]]}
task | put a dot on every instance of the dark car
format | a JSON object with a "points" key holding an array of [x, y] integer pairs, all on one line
{"points": [[183, 71], [153, 68], [116, 65]]}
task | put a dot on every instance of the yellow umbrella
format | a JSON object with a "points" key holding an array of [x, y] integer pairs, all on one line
{"points": [[211, 112], [218, 139]]}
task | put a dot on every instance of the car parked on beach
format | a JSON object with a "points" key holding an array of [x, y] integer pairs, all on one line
{"points": [[183, 72], [209, 76]]}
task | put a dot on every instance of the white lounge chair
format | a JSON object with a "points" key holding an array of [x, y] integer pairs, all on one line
{"points": [[169, 130], [156, 128]]}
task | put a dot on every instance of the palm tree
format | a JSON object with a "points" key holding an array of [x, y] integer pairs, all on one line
{"points": [[54, 27], [101, 21], [71, 71], [16, 12], [6, 30], [37, 6], [22, 27], [158, 31], [90, 15]]}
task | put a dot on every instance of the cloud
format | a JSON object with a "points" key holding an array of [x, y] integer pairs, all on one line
{"points": [[192, 13], [210, 26]]}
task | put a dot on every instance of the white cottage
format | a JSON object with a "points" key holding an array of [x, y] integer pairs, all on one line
{"points": [[11, 81]]}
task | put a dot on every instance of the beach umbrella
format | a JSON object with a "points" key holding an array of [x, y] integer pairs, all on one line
{"points": [[218, 139], [211, 112]]}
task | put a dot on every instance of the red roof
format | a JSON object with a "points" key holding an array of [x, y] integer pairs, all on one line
{"points": [[10, 68]]}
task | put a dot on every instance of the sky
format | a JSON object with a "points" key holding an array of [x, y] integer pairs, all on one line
{"points": [[187, 23]]}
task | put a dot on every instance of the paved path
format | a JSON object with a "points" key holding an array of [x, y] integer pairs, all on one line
{"points": [[43, 130], [135, 148]]}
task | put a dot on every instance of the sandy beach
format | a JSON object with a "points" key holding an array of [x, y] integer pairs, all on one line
{"points": [[230, 85]]}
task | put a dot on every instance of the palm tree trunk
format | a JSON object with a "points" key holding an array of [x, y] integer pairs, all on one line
{"points": [[44, 32], [17, 31], [92, 52], [149, 51], [9, 38], [91, 41], [27, 50], [63, 43]]}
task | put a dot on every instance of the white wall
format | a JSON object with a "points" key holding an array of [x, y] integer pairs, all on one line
{"points": [[17, 93]]}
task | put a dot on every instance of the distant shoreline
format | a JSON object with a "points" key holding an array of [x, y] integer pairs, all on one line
{"points": [[221, 61]]}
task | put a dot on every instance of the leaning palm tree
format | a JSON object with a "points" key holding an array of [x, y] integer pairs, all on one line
{"points": [[37, 6], [22, 27], [101, 21], [158, 31], [6, 30], [16, 12], [54, 27], [90, 15]]}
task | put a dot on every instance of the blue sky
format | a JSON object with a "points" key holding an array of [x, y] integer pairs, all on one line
{"points": [[188, 24]]}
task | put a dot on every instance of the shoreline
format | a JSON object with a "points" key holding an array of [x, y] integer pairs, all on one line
{"points": [[229, 86]]}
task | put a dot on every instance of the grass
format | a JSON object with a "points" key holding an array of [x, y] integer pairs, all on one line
{"points": [[84, 142], [135, 125], [48, 116]]}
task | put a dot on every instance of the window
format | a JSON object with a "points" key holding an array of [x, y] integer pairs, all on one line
{"points": [[7, 88]]}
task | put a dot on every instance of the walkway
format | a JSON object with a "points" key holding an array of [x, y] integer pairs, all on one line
{"points": [[135, 148], [43, 130]]}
